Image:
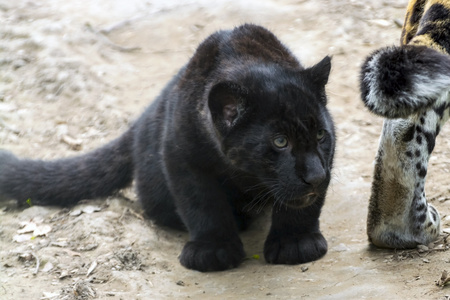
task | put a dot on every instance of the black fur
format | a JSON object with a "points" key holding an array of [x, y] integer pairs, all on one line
{"points": [[243, 124], [66, 181]]}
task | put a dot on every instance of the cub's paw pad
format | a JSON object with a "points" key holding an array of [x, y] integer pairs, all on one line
{"points": [[296, 249], [209, 256]]}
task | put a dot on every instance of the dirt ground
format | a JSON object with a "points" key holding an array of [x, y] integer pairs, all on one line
{"points": [[75, 74]]}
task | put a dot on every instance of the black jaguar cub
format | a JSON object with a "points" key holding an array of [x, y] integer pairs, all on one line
{"points": [[242, 125]]}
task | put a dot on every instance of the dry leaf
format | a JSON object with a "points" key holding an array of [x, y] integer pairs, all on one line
{"points": [[27, 227], [76, 213], [48, 266], [42, 230], [49, 295], [19, 238], [64, 274], [90, 209]]}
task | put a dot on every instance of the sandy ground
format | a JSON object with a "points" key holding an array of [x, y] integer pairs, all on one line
{"points": [[75, 74]]}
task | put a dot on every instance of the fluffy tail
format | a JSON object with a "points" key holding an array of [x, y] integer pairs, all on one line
{"points": [[66, 181], [396, 82]]}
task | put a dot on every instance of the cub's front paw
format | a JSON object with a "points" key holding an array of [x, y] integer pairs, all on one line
{"points": [[296, 249], [209, 256]]}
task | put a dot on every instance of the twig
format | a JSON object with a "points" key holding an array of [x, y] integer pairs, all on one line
{"points": [[132, 212], [444, 280], [104, 32], [127, 22], [107, 41], [119, 25], [71, 253], [340, 282], [38, 263]]}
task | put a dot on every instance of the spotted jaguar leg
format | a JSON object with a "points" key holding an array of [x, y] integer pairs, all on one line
{"points": [[399, 215], [409, 86]]}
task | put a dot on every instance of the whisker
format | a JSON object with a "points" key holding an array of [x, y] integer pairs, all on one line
{"points": [[262, 197]]}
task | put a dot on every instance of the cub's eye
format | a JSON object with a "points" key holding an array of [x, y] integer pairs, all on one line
{"points": [[320, 134], [280, 142]]}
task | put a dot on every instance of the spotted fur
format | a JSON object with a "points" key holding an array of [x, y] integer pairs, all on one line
{"points": [[409, 86]]}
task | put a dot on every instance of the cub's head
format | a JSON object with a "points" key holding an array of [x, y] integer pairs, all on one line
{"points": [[274, 126]]}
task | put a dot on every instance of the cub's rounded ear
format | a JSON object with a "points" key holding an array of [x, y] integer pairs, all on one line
{"points": [[227, 103], [319, 73]]}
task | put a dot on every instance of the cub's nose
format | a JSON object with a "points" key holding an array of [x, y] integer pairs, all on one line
{"points": [[314, 172], [315, 179]]}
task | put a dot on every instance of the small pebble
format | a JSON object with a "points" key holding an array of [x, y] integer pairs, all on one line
{"points": [[422, 248]]}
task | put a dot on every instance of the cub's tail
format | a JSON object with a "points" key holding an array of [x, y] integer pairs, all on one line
{"points": [[66, 181], [396, 82]]}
